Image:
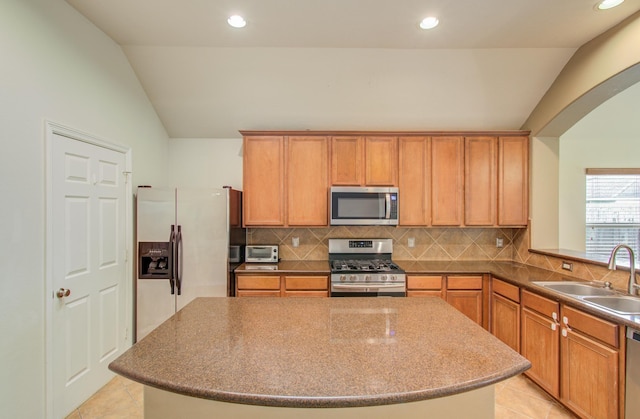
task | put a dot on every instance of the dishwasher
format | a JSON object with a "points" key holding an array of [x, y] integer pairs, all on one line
{"points": [[632, 399]]}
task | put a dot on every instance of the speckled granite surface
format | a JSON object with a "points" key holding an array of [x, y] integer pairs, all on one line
{"points": [[319, 352]]}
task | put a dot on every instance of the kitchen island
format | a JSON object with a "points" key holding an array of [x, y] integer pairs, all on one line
{"points": [[332, 357]]}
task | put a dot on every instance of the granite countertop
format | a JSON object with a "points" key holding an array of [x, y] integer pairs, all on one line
{"points": [[319, 352], [516, 273]]}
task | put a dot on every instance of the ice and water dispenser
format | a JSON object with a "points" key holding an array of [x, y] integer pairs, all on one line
{"points": [[156, 260]]}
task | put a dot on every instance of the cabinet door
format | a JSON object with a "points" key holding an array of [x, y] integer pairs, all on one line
{"points": [[480, 181], [505, 320], [263, 181], [447, 180], [468, 302], [540, 344], [414, 178], [307, 181], [513, 181], [589, 376], [381, 161], [347, 154]]}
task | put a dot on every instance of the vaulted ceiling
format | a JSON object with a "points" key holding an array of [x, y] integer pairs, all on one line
{"points": [[347, 64]]}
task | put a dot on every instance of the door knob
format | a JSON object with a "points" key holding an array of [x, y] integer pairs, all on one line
{"points": [[63, 292]]}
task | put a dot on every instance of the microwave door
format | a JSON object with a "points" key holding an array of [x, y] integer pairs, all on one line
{"points": [[387, 209]]}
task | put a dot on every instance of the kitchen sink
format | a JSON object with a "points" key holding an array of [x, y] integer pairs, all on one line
{"points": [[576, 288], [620, 304]]}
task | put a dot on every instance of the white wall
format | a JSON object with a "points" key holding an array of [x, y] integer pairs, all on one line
{"points": [[205, 163], [608, 137], [54, 65]]}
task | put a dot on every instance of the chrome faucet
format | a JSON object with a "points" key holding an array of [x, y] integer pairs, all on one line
{"points": [[632, 266]]}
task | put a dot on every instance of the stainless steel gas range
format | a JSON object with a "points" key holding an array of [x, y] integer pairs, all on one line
{"points": [[363, 268]]}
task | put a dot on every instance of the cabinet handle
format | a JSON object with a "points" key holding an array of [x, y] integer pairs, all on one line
{"points": [[564, 332], [554, 316], [553, 326], [565, 320]]}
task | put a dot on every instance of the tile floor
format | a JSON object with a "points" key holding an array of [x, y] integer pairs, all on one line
{"points": [[516, 398]]}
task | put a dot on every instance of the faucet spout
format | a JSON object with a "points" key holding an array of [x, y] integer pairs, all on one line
{"points": [[632, 266]]}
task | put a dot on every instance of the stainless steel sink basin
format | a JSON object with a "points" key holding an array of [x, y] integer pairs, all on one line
{"points": [[620, 304], [576, 288]]}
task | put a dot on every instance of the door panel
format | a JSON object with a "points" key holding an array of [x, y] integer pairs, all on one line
{"points": [[88, 222]]}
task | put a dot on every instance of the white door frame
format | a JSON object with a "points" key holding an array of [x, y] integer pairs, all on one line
{"points": [[51, 129]]}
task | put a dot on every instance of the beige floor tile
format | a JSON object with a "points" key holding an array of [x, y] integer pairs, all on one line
{"points": [[502, 412], [559, 412], [524, 403]]}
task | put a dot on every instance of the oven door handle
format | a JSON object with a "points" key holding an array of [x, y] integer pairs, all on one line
{"points": [[368, 286]]}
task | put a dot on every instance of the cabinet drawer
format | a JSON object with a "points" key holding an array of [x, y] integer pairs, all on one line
{"points": [[424, 282], [306, 293], [593, 326], [464, 282], [505, 289], [421, 293], [255, 282], [258, 293], [540, 304], [306, 282]]}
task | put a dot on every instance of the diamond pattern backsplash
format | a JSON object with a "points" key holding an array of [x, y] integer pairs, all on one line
{"points": [[440, 244]]}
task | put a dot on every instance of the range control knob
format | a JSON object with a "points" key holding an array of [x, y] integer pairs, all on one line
{"points": [[383, 277], [343, 278], [367, 278], [394, 278], [353, 278]]}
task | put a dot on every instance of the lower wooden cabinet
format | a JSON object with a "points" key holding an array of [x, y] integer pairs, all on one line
{"points": [[505, 313], [575, 357], [462, 292], [248, 285]]}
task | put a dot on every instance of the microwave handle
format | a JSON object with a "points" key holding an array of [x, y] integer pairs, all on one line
{"points": [[387, 201]]}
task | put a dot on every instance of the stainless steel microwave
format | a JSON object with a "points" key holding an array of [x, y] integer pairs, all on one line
{"points": [[354, 205]]}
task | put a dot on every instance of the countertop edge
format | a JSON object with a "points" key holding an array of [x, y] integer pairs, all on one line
{"points": [[323, 402]]}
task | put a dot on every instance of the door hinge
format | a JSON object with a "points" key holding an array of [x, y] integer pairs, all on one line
{"points": [[126, 177]]}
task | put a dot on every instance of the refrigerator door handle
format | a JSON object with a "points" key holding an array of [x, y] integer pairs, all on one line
{"points": [[179, 260], [172, 240]]}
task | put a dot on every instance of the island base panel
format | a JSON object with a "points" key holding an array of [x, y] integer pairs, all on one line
{"points": [[477, 404]]}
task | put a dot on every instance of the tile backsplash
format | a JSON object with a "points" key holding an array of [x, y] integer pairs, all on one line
{"points": [[430, 243], [437, 244]]}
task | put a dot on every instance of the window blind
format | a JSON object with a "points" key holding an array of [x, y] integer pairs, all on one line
{"points": [[612, 210]]}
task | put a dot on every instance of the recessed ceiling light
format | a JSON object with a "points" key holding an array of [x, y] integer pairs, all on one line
{"points": [[608, 4], [429, 22], [237, 21]]}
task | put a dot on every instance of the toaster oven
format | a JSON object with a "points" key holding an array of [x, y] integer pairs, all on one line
{"points": [[261, 253]]}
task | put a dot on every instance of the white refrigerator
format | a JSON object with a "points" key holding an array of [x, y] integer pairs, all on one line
{"points": [[183, 242]]}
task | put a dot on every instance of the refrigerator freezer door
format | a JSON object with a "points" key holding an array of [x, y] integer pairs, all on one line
{"points": [[156, 214], [155, 304], [203, 217]]}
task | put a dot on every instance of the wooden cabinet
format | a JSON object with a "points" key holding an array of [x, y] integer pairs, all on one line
{"points": [[590, 365], [447, 181], [347, 154], [465, 294], [307, 181], [306, 286], [540, 341], [577, 360], [300, 199], [414, 181], [480, 181], [257, 286], [364, 161], [505, 313], [250, 285], [513, 181], [263, 181], [425, 286]]}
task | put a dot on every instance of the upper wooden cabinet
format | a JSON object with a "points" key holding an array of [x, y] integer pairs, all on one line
{"points": [[414, 180], [447, 181], [307, 181], [444, 178], [480, 181], [263, 181], [364, 161], [513, 181]]}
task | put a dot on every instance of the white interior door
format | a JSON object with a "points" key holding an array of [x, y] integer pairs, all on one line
{"points": [[88, 268]]}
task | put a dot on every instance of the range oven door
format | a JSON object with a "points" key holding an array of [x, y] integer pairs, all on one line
{"points": [[368, 290]]}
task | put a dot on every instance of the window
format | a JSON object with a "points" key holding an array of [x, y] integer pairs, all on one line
{"points": [[613, 210]]}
